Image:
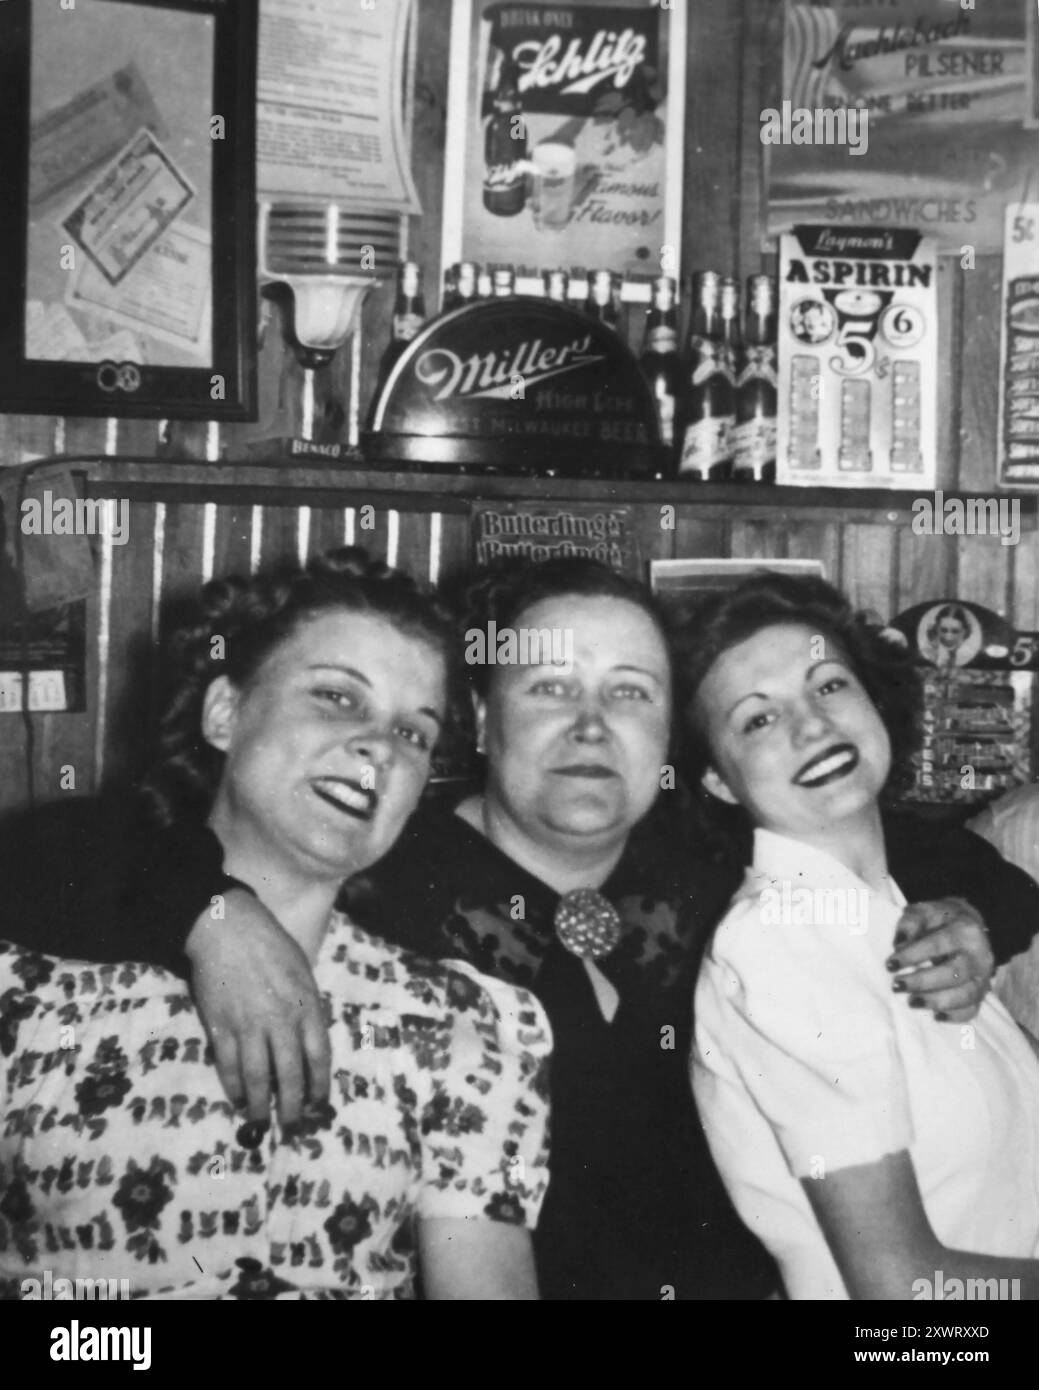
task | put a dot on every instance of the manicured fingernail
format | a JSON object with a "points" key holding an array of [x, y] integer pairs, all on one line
{"points": [[894, 964], [251, 1135], [898, 986], [917, 1003]]}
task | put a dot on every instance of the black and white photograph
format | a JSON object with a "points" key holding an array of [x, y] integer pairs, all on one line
{"points": [[519, 622]]}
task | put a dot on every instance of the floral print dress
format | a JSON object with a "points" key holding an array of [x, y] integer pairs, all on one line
{"points": [[121, 1158]]}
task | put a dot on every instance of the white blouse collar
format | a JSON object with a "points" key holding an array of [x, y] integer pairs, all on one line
{"points": [[780, 857]]}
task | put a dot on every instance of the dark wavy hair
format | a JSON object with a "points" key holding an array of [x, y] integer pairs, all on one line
{"points": [[763, 600], [508, 589], [236, 624]]}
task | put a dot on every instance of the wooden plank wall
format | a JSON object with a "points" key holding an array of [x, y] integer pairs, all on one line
{"points": [[732, 72]]}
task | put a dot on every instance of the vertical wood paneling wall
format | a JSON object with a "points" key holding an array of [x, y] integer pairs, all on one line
{"points": [[733, 70]]}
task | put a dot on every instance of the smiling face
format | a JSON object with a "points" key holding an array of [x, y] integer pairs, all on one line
{"points": [[795, 738], [328, 746], [574, 753]]}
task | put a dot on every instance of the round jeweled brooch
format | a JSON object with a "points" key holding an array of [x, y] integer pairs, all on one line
{"points": [[587, 923]]}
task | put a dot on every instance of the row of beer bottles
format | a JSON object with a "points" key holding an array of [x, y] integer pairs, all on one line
{"points": [[716, 402], [725, 419], [467, 282]]}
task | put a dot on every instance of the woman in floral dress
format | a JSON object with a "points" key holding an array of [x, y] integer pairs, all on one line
{"points": [[301, 730]]}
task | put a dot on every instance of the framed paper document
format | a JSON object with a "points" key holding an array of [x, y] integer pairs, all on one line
{"points": [[128, 245]]}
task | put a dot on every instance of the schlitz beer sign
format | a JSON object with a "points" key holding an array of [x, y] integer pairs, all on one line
{"points": [[523, 385], [568, 55], [564, 139]]}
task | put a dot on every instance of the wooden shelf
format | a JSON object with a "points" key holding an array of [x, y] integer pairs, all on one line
{"points": [[341, 483]]}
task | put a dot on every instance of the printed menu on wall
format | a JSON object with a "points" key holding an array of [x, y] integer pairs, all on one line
{"points": [[564, 142], [329, 116]]}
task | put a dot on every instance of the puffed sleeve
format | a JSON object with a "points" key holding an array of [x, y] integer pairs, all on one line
{"points": [[484, 1125], [791, 1013]]}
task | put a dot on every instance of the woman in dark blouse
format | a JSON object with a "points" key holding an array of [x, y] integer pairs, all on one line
{"points": [[577, 756]]}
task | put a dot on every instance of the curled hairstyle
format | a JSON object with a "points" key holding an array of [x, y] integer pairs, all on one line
{"points": [[950, 610], [764, 600], [507, 590], [236, 624]]}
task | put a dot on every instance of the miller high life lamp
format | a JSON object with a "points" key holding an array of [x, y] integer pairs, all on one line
{"points": [[524, 385], [858, 349]]}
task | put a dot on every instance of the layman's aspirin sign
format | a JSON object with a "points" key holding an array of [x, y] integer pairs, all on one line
{"points": [[858, 333], [944, 89], [564, 139]]}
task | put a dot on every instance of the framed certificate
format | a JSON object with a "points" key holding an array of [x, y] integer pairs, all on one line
{"points": [[128, 244]]}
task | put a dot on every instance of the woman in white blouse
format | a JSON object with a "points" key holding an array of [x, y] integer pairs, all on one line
{"points": [[876, 1156]]}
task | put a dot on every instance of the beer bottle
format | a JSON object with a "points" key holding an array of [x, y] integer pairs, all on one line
{"points": [[503, 281], [557, 285], [601, 303], [449, 297], [505, 146], [617, 299], [708, 407], [730, 315], [468, 275], [409, 314], [459, 285], [754, 435], [659, 361]]}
